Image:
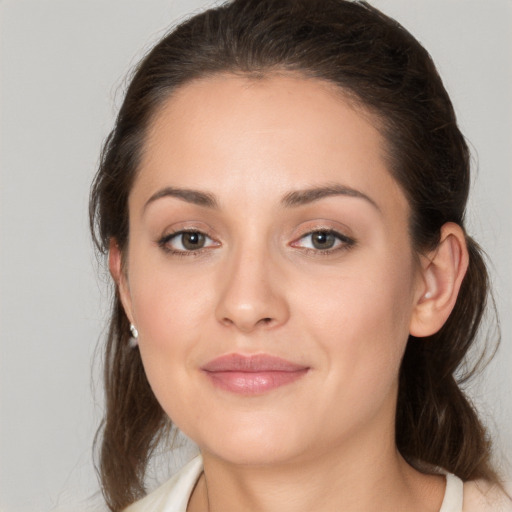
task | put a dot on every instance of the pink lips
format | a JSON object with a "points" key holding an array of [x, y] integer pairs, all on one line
{"points": [[251, 375]]}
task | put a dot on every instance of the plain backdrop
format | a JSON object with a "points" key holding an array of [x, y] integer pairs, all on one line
{"points": [[62, 74]]}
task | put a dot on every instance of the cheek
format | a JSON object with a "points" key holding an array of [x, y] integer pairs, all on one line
{"points": [[170, 310], [164, 297], [361, 316], [169, 306]]}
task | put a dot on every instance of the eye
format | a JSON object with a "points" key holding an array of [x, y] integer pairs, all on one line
{"points": [[186, 241], [323, 240]]}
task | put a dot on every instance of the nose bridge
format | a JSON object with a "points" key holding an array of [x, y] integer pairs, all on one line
{"points": [[251, 292]]}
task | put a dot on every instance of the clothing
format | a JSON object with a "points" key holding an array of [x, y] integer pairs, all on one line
{"points": [[173, 496]]}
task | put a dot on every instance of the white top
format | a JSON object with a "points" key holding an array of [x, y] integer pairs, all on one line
{"points": [[173, 495]]}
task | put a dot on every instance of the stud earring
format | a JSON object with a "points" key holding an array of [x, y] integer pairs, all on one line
{"points": [[427, 295], [133, 341]]}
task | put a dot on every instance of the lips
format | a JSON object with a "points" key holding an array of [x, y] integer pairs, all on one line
{"points": [[255, 374]]}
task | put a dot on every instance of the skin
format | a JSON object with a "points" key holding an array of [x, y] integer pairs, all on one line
{"points": [[259, 285]]}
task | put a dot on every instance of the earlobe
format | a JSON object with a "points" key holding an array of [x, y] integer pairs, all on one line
{"points": [[442, 273], [115, 265]]}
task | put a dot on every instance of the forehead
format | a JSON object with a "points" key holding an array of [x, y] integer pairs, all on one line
{"points": [[232, 134], [231, 105]]}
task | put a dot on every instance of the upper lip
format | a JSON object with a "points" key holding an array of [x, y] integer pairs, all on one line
{"points": [[251, 364]]}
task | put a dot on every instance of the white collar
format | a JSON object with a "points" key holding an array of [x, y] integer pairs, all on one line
{"points": [[174, 495]]}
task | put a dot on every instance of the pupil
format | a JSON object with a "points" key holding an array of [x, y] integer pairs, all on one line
{"points": [[193, 241], [323, 240]]}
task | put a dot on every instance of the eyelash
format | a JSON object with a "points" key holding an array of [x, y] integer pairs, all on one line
{"points": [[165, 240], [344, 243]]}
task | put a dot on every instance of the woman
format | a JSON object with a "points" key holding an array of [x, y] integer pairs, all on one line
{"points": [[282, 202]]}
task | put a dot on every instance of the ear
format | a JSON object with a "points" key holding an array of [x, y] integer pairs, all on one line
{"points": [[115, 265], [442, 272]]}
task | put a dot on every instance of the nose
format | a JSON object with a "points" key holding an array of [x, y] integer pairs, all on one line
{"points": [[251, 292]]}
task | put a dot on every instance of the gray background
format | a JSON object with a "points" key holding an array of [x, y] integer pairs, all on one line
{"points": [[61, 80]]}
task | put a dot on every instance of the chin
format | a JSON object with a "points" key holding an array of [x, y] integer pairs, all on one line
{"points": [[251, 443], [252, 454]]}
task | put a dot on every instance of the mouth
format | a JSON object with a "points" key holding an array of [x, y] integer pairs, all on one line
{"points": [[252, 375]]}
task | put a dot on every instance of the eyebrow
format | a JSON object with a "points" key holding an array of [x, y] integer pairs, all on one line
{"points": [[188, 195], [310, 195], [290, 200]]}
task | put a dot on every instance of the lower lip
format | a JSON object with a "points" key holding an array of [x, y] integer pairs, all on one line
{"points": [[254, 383]]}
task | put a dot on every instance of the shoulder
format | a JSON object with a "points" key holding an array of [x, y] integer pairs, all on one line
{"points": [[481, 496], [173, 495]]}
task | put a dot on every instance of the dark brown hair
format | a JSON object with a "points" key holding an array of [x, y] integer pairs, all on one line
{"points": [[385, 70]]}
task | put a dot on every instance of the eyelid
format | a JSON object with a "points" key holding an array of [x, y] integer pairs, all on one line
{"points": [[340, 236], [164, 240], [343, 242]]}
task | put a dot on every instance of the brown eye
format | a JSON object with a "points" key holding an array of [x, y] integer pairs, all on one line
{"points": [[184, 242], [323, 240], [192, 240]]}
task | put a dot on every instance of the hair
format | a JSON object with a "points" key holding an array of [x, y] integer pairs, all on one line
{"points": [[386, 71]]}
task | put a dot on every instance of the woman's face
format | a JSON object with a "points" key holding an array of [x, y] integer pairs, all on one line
{"points": [[265, 222]]}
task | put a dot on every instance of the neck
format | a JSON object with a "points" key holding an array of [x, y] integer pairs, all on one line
{"points": [[362, 476]]}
